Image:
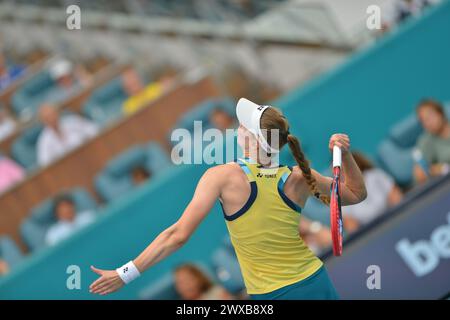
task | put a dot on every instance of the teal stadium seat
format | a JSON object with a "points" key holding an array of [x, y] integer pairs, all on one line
{"points": [[9, 251], [28, 98], [35, 226], [394, 154], [115, 180], [227, 269], [105, 103], [23, 149], [201, 113], [405, 133]]}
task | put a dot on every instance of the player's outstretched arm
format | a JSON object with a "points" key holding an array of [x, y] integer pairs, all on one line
{"points": [[171, 239]]}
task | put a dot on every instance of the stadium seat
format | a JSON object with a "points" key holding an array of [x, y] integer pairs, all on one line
{"points": [[105, 103], [34, 227], [9, 251], [202, 111], [394, 154], [397, 161], [23, 149], [226, 268], [114, 180], [315, 210], [32, 94], [405, 133]]}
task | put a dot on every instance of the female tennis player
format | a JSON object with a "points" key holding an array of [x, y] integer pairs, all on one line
{"points": [[261, 206]]}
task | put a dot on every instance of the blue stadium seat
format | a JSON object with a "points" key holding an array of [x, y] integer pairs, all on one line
{"points": [[394, 154], [405, 133], [34, 227], [315, 210], [105, 103], [163, 289], [9, 251], [227, 269], [396, 161], [23, 149], [114, 180], [201, 113], [32, 94]]}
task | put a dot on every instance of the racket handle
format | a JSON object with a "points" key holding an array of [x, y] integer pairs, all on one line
{"points": [[337, 157]]}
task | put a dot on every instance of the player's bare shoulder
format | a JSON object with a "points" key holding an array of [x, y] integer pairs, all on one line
{"points": [[225, 172]]}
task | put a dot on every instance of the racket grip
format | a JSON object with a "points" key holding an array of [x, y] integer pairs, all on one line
{"points": [[337, 157]]}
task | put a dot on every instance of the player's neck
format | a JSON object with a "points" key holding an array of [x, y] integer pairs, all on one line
{"points": [[263, 160]]}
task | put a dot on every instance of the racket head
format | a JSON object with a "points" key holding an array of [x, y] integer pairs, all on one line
{"points": [[336, 213]]}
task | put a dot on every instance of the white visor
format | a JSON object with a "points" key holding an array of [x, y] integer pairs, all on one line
{"points": [[249, 115]]}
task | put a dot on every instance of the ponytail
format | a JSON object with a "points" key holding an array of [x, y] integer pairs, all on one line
{"points": [[271, 119], [303, 164]]}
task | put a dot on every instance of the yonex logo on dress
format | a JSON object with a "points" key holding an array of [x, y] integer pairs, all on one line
{"points": [[260, 175]]}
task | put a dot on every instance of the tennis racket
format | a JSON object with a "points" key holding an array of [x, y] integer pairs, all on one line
{"points": [[335, 203]]}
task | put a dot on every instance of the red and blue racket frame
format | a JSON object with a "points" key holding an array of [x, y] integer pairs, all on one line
{"points": [[336, 223]]}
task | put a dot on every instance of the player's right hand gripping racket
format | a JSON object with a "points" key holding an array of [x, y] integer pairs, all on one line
{"points": [[335, 203]]}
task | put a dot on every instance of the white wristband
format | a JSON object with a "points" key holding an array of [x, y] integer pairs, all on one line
{"points": [[128, 272]]}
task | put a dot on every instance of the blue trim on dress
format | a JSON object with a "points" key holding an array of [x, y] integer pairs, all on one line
{"points": [[291, 204], [247, 205]]}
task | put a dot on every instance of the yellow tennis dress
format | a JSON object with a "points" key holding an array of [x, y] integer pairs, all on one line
{"points": [[265, 233]]}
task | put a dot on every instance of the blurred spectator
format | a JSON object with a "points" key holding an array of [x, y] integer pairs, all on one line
{"points": [[61, 134], [9, 73], [434, 143], [316, 236], [10, 173], [141, 95], [399, 10], [4, 267], [221, 119], [68, 220], [69, 80], [139, 175], [192, 284], [7, 124], [382, 192]]}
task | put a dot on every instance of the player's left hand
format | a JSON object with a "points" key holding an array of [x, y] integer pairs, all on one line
{"points": [[108, 282], [341, 140]]}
